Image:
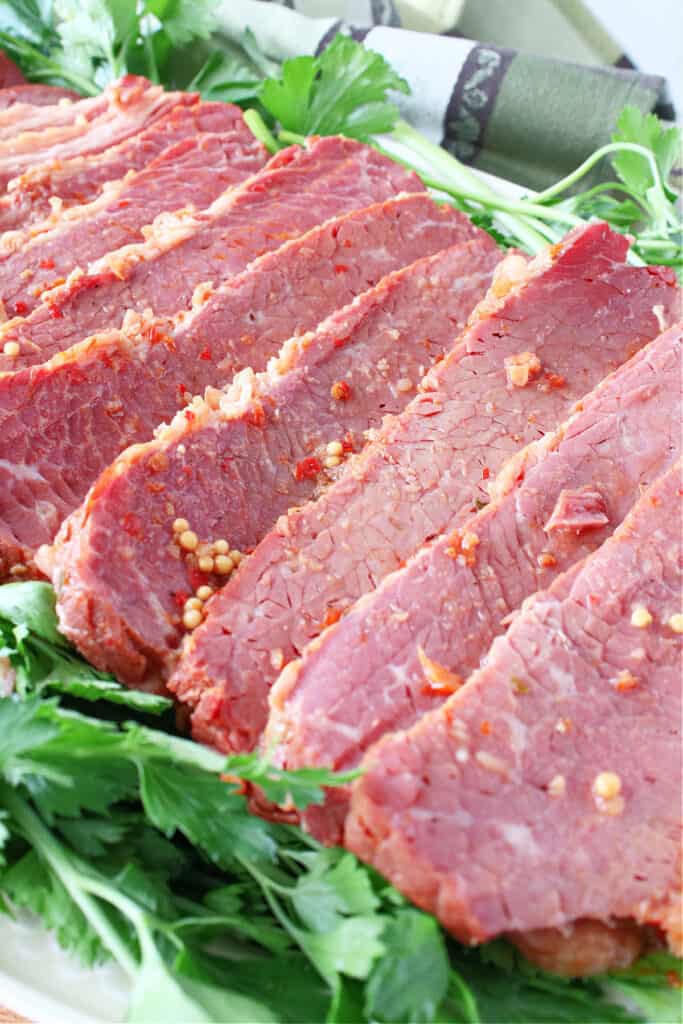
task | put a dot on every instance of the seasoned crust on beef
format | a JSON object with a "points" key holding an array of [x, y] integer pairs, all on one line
{"points": [[230, 464], [474, 822], [430, 623], [424, 466]]}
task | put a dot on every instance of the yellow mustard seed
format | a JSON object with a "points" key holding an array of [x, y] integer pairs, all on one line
{"points": [[641, 617], [192, 618], [223, 564], [188, 540]]}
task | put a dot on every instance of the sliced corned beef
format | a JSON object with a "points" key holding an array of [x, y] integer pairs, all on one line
{"points": [[34, 95], [232, 464], [116, 388], [404, 648], [124, 108], [10, 74], [42, 192], [578, 312], [193, 172], [547, 791], [299, 188]]}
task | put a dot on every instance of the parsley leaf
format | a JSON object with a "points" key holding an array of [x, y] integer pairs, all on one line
{"points": [[31, 885], [411, 979], [648, 131], [344, 90], [299, 788]]}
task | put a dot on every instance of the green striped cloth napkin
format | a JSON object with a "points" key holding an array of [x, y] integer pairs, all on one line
{"points": [[525, 89]]}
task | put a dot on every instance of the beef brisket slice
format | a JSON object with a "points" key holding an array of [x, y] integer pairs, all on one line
{"points": [[299, 188], [34, 95], [116, 388], [43, 192], [193, 172], [230, 465], [548, 789], [122, 110], [402, 649], [580, 311]]}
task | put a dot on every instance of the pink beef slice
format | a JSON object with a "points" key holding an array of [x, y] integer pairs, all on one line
{"points": [[59, 132], [10, 75], [547, 791], [402, 649], [115, 388], [298, 189], [581, 310], [194, 171], [34, 95], [42, 192], [231, 464]]}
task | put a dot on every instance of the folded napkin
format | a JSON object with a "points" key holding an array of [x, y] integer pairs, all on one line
{"points": [[524, 90]]}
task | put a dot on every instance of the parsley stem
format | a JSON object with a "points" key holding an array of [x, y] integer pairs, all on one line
{"points": [[453, 178], [260, 129], [59, 861], [466, 998], [291, 137], [594, 158]]}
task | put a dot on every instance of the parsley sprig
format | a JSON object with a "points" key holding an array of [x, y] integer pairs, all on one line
{"points": [[134, 844]]}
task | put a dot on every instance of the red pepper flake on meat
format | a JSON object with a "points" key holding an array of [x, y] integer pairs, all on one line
{"points": [[180, 597], [20, 308], [555, 380], [255, 415], [625, 681], [463, 545], [340, 391], [307, 469], [485, 728], [332, 615], [485, 473], [205, 354], [55, 312], [47, 264], [132, 525], [340, 268], [440, 681]]}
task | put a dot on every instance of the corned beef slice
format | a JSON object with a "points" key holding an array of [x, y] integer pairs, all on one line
{"points": [[195, 171], [232, 464], [10, 75], [115, 389], [34, 95], [404, 648], [547, 790], [80, 180], [122, 110], [581, 310], [298, 189]]}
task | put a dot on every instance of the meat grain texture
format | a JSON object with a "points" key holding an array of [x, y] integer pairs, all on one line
{"points": [[60, 131], [231, 464], [39, 196], [547, 791], [114, 389], [402, 649], [580, 311], [298, 189], [194, 171]]}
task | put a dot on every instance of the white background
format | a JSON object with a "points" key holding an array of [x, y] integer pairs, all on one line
{"points": [[651, 33]]}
